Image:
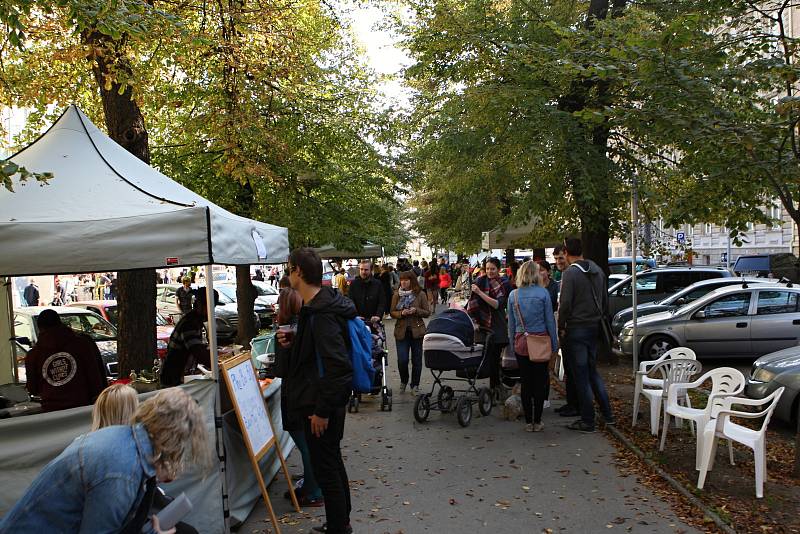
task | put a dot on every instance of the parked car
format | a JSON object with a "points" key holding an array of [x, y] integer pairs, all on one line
{"points": [[782, 265], [614, 279], [264, 305], [675, 301], [225, 313], [747, 320], [623, 265], [107, 309], [26, 332], [657, 284], [774, 370]]}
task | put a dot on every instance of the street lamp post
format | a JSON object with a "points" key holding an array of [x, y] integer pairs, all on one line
{"points": [[634, 246]]}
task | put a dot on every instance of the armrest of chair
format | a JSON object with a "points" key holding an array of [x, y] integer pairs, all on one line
{"points": [[647, 364]]}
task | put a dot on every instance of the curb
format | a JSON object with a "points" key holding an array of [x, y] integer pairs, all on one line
{"points": [[722, 525]]}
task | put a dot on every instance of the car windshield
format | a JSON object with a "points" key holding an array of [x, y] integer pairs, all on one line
{"points": [[161, 320], [90, 324], [265, 290], [227, 294]]}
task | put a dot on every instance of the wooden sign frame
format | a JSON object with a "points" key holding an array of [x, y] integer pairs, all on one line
{"points": [[255, 456]]}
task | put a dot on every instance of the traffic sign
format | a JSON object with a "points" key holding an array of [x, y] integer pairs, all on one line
{"points": [[681, 236]]}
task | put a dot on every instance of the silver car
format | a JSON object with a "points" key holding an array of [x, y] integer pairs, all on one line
{"points": [[747, 320], [772, 371]]}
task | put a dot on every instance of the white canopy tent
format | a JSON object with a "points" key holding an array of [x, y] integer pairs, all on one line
{"points": [[512, 237], [367, 251], [105, 210]]}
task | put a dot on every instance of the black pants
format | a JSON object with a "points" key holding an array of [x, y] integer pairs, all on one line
{"points": [[569, 383], [493, 355], [535, 377], [443, 294], [326, 459]]}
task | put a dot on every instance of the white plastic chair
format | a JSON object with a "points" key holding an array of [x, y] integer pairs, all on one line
{"points": [[725, 382], [643, 380], [672, 370], [723, 427]]}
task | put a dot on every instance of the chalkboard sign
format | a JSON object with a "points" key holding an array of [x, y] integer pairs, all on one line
{"points": [[249, 403], [253, 415]]}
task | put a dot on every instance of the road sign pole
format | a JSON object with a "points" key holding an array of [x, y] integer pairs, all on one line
{"points": [[634, 246]]}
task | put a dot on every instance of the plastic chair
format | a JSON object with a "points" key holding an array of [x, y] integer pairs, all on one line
{"points": [[725, 382], [723, 427], [644, 380], [671, 371]]}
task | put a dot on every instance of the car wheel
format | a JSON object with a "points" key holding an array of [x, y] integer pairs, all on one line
{"points": [[656, 346]]}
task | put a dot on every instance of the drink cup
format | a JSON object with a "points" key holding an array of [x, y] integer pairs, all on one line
{"points": [[288, 331]]}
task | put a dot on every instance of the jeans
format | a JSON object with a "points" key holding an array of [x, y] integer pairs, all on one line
{"points": [[535, 378], [580, 348], [408, 343], [329, 470], [310, 487]]}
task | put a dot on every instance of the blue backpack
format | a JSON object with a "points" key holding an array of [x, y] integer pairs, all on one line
{"points": [[360, 356]]}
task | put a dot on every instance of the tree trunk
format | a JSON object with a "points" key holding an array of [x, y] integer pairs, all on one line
{"points": [[245, 297], [509, 256], [136, 300]]}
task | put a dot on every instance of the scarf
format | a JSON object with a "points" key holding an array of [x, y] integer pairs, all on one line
{"points": [[406, 299], [477, 308]]}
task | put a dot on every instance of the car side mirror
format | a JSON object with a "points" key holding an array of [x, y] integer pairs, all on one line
{"points": [[24, 341], [700, 315]]}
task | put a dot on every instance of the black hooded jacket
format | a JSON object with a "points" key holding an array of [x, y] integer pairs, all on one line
{"points": [[321, 330], [369, 296]]}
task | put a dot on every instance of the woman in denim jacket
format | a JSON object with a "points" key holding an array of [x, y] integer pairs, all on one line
{"points": [[104, 481], [533, 303]]}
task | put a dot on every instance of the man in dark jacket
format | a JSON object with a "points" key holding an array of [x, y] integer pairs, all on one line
{"points": [[582, 303], [367, 293], [319, 380], [64, 367], [31, 294]]}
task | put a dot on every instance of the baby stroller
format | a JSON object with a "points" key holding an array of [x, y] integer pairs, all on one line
{"points": [[449, 345], [380, 360]]}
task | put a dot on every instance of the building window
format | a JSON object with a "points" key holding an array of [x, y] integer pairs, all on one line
{"points": [[750, 227], [708, 228], [776, 215], [690, 230]]}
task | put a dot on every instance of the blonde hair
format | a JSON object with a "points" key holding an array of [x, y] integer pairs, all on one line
{"points": [[528, 274], [177, 430], [115, 406]]}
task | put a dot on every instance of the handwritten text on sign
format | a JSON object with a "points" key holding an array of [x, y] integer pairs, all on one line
{"points": [[251, 405]]}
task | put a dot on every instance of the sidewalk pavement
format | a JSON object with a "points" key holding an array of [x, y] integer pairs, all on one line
{"points": [[492, 476]]}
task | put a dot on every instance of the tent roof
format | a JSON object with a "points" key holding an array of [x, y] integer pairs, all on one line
{"points": [[513, 237], [105, 209], [367, 251]]}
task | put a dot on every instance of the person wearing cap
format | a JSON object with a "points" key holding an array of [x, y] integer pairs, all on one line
{"points": [[64, 368], [187, 348]]}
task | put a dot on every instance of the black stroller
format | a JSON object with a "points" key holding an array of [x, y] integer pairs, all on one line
{"points": [[449, 345], [380, 360]]}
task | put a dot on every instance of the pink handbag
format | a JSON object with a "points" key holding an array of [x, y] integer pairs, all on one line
{"points": [[534, 346]]}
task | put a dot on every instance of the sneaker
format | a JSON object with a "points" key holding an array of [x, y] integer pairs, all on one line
{"points": [[538, 427], [324, 528], [306, 502], [529, 427], [415, 390], [569, 413], [580, 426], [608, 421], [403, 388], [547, 404]]}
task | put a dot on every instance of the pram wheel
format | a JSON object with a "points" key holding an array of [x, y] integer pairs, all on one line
{"points": [[445, 399], [352, 406], [386, 400], [485, 401], [422, 407], [464, 411]]}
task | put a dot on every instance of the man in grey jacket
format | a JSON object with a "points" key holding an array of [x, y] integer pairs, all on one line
{"points": [[583, 301]]}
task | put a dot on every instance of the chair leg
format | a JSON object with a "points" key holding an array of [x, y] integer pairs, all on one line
{"points": [[636, 396], [691, 423], [698, 454], [760, 460], [704, 462], [730, 451], [655, 413], [664, 432], [713, 454]]}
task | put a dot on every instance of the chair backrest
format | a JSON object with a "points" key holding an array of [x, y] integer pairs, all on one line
{"points": [[676, 370], [772, 399], [684, 353], [724, 381]]}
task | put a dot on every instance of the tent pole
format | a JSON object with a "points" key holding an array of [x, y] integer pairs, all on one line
{"points": [[214, 353]]}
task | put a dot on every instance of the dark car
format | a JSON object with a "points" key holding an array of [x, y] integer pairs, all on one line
{"points": [[623, 265], [673, 302], [658, 284], [101, 331], [774, 370], [778, 266], [264, 305]]}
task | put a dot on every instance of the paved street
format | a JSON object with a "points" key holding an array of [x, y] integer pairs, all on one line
{"points": [[491, 476]]}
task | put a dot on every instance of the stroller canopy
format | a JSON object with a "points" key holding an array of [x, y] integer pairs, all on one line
{"points": [[455, 323]]}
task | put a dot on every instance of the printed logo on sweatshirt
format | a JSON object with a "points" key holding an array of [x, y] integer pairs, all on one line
{"points": [[59, 368]]}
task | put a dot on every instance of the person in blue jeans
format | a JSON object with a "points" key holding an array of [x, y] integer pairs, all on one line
{"points": [[582, 303], [409, 307], [531, 312]]}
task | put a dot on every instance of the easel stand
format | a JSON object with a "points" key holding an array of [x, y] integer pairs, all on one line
{"points": [[256, 423]]}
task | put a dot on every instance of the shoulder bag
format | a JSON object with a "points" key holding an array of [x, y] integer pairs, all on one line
{"points": [[605, 325], [534, 346]]}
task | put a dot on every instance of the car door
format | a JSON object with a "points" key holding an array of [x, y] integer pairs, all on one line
{"points": [[668, 283], [622, 297], [776, 323], [725, 329]]}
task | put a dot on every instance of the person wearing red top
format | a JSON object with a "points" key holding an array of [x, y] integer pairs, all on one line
{"points": [[445, 281]]}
